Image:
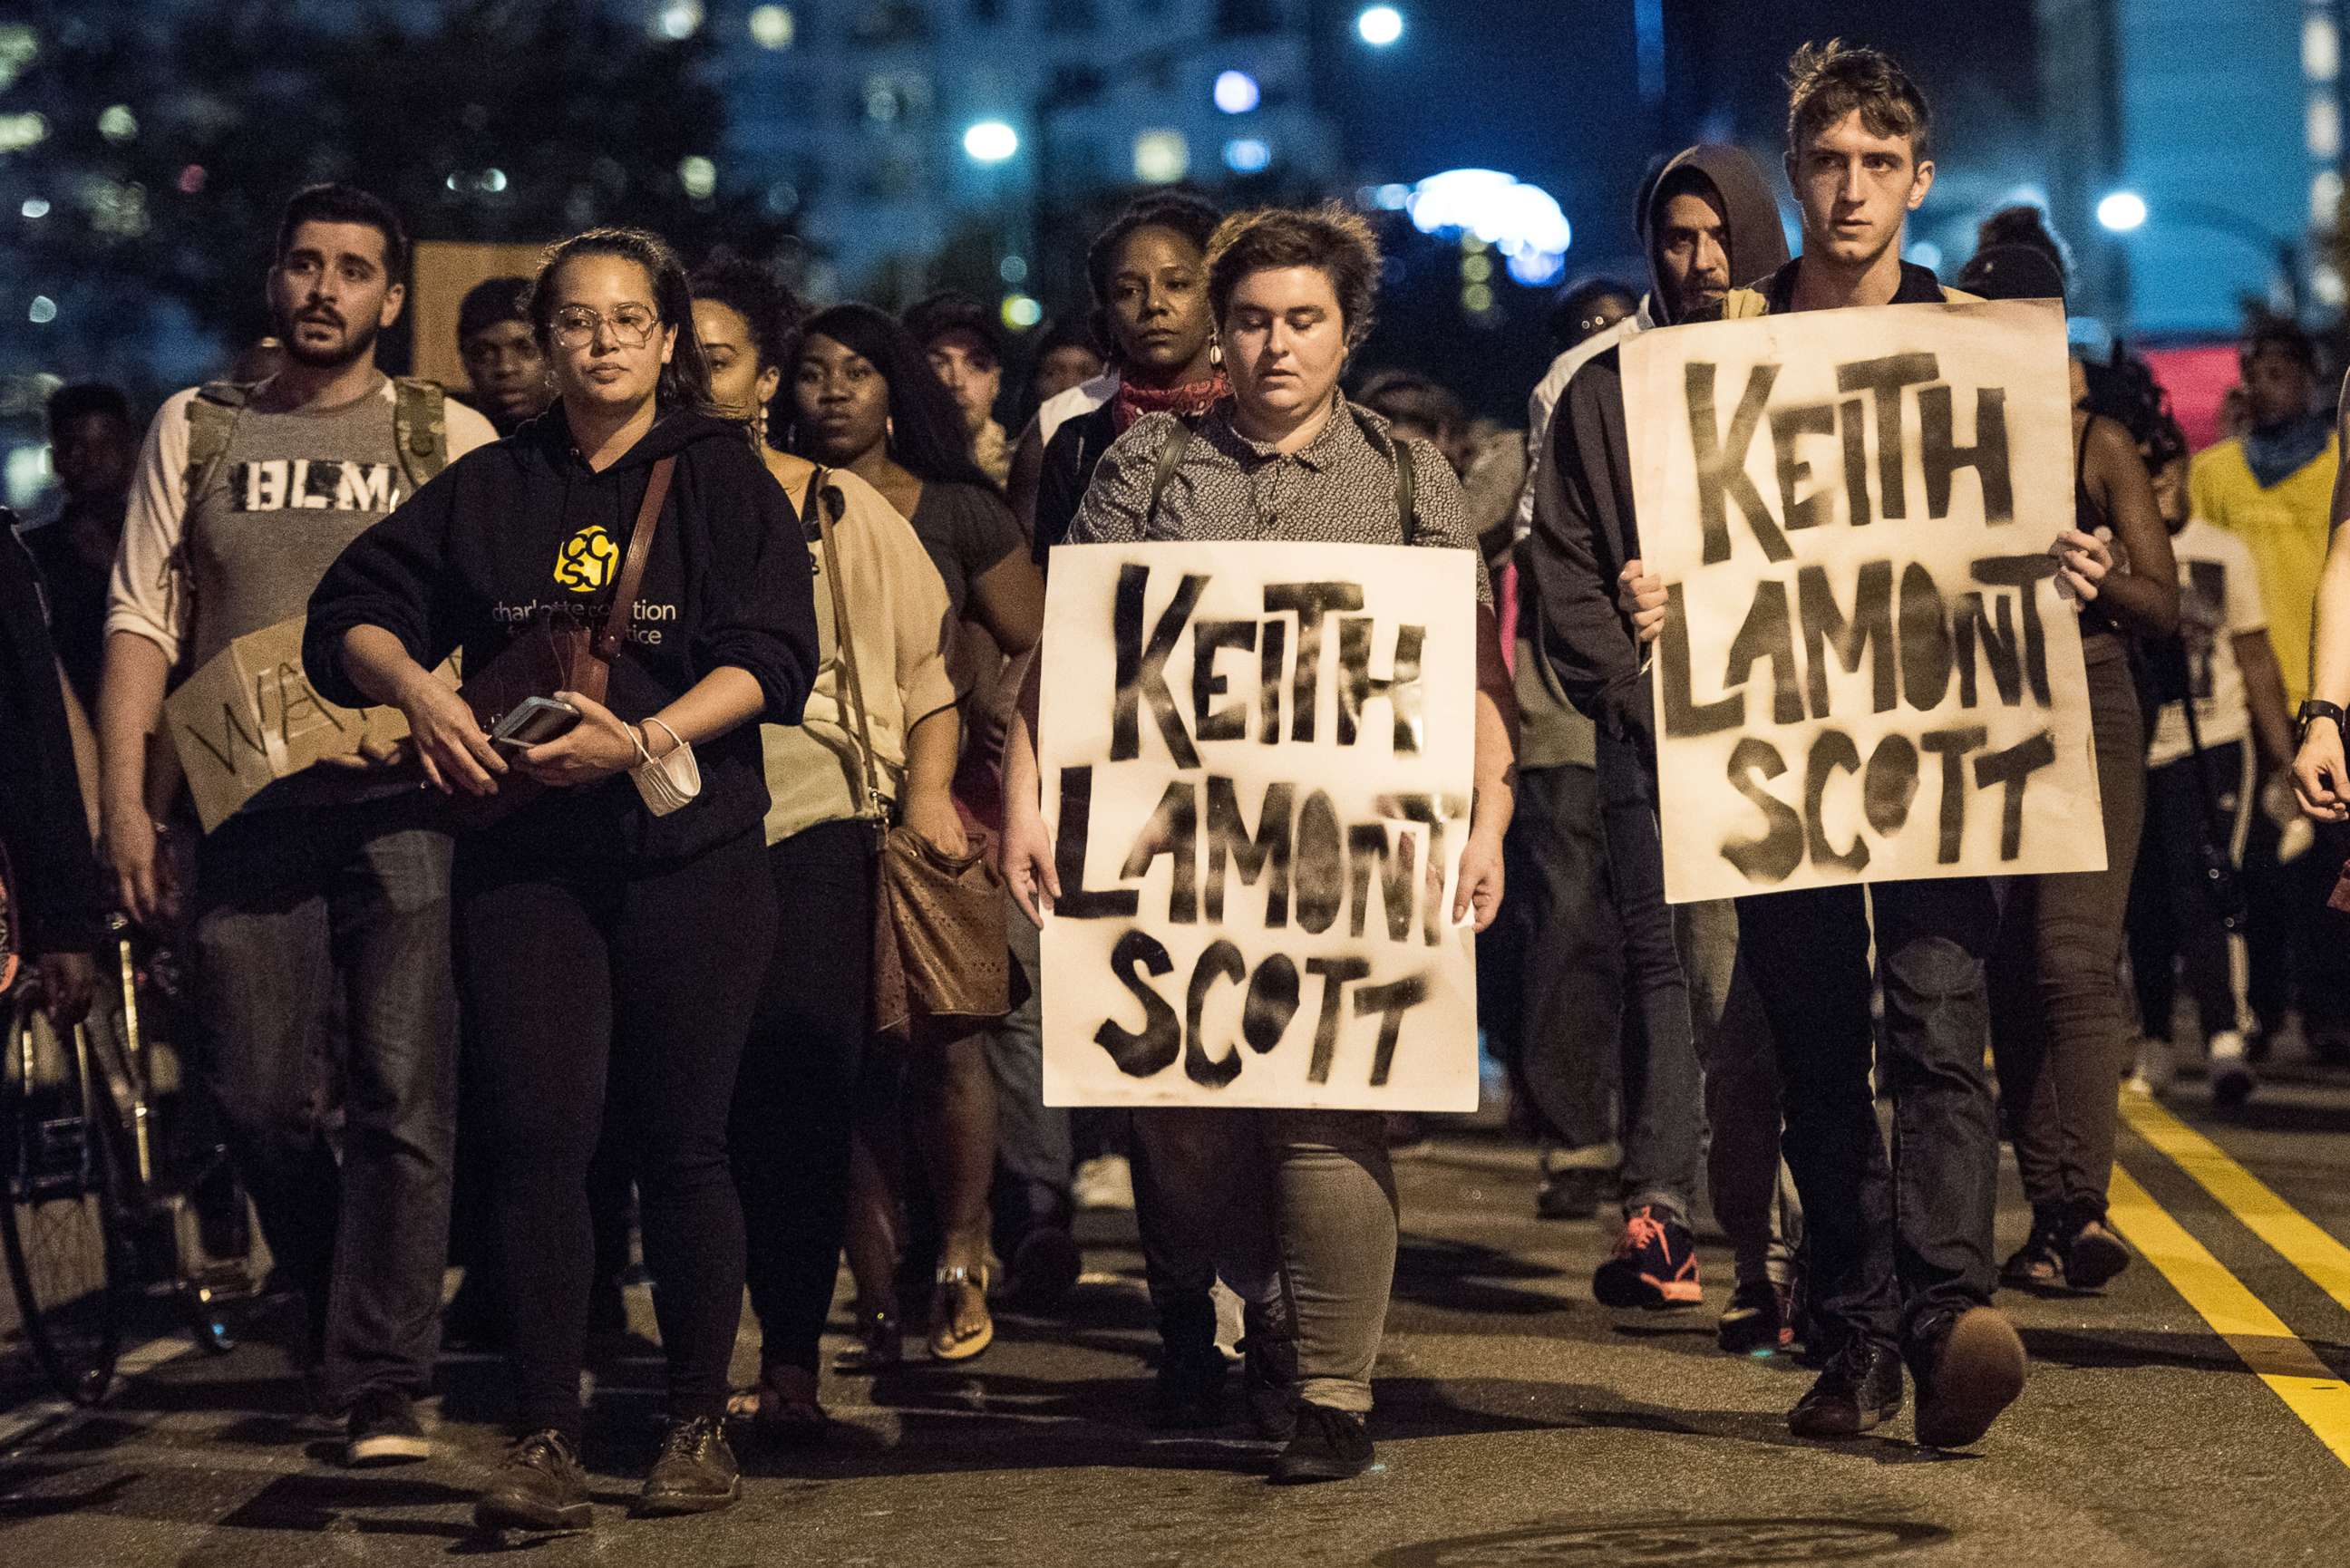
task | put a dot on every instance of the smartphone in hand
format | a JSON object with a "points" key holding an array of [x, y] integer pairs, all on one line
{"points": [[533, 723]]}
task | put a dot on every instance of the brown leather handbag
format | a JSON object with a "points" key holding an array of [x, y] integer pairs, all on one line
{"points": [[547, 657], [940, 957]]}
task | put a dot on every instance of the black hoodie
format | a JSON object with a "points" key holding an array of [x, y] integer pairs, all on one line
{"points": [[472, 559], [1579, 548]]}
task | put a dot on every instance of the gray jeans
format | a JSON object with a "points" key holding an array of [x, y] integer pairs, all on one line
{"points": [[1754, 1195], [1032, 1138], [1294, 1205], [295, 909]]}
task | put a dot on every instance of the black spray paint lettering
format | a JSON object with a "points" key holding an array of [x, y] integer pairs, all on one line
{"points": [[1876, 420], [1314, 867], [1911, 641], [1888, 781], [1270, 1004], [1145, 647]]}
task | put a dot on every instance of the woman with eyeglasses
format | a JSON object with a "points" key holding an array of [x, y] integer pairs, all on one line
{"points": [[864, 399], [608, 953]]}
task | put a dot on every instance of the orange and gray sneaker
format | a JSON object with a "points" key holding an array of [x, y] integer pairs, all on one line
{"points": [[1654, 1264]]}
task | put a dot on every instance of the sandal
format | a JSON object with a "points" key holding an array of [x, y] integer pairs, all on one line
{"points": [[788, 1419], [946, 1343], [884, 1343]]}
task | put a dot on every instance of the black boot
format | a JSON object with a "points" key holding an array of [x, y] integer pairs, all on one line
{"points": [[696, 1472], [1969, 1368], [539, 1486], [1328, 1445], [1860, 1388], [1190, 1391]]}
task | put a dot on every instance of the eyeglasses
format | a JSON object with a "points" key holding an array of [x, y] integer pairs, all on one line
{"points": [[631, 325]]}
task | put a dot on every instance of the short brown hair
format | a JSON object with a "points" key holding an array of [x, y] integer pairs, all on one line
{"points": [[1332, 237], [1827, 81]]}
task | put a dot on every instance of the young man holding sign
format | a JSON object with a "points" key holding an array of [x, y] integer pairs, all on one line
{"points": [[332, 879], [1908, 1279]]}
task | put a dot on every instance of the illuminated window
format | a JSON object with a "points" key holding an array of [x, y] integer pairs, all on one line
{"points": [[2324, 126], [1161, 157], [773, 26], [2320, 49]]}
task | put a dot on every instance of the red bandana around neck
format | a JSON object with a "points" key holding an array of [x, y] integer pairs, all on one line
{"points": [[1189, 399]]}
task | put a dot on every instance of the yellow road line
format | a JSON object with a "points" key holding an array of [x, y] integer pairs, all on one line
{"points": [[2299, 1240], [2258, 1336]]}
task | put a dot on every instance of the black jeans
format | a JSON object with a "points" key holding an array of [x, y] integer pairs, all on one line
{"points": [[585, 976], [1664, 1118], [1550, 980], [293, 908], [2173, 916], [1892, 1243], [795, 1098]]}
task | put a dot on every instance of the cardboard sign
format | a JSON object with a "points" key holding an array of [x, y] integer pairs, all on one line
{"points": [[1868, 673], [1257, 759], [249, 718]]}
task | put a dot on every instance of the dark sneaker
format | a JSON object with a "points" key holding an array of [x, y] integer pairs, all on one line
{"points": [[1969, 1368], [1574, 1192], [1269, 1376], [383, 1430], [1860, 1388], [1045, 1268], [2093, 1256], [1188, 1396], [539, 1486], [696, 1472], [1328, 1445], [1654, 1264], [1758, 1320]]}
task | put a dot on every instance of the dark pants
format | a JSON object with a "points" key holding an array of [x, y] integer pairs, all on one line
{"points": [[293, 906], [1034, 1157], [2059, 1035], [1663, 1118], [1893, 1244], [582, 976], [2300, 948], [2173, 916], [796, 1099], [1549, 982]]}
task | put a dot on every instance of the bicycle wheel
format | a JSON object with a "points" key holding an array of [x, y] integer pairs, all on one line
{"points": [[58, 1224]]}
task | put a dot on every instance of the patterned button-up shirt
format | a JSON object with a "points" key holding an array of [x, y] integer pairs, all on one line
{"points": [[1338, 489]]}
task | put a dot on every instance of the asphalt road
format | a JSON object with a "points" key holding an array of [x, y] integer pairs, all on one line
{"points": [[1519, 1423]]}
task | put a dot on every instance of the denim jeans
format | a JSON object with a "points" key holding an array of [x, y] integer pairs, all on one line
{"points": [[1295, 1209], [2173, 916], [1893, 1241], [295, 908], [1753, 1194], [1550, 980], [1661, 1089]]}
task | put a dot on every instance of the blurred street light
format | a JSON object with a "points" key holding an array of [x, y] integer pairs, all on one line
{"points": [[1379, 26], [2126, 211], [990, 141], [1237, 92], [2122, 211]]}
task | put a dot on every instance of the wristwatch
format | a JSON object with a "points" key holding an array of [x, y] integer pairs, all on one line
{"points": [[2312, 710]]}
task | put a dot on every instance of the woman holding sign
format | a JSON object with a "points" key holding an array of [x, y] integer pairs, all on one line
{"points": [[1297, 1208]]}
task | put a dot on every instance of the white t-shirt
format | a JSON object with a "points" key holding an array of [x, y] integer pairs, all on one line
{"points": [[1074, 404], [2218, 601]]}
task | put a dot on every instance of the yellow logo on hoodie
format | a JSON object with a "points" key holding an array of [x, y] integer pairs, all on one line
{"points": [[585, 562]]}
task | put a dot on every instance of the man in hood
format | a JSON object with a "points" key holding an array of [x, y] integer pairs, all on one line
{"points": [[1706, 222]]}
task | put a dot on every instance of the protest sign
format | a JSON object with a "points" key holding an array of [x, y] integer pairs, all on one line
{"points": [[1867, 673], [1257, 759], [249, 718]]}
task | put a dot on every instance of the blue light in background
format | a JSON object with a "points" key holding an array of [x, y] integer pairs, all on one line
{"points": [[1246, 155], [1649, 45], [1237, 92], [1379, 26], [1523, 221]]}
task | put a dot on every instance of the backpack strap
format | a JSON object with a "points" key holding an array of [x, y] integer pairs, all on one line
{"points": [[212, 422], [1407, 480], [1741, 304], [1170, 458], [420, 427]]}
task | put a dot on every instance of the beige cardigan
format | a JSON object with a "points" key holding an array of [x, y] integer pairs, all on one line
{"points": [[899, 623]]}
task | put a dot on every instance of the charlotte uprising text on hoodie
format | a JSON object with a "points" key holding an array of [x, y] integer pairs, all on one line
{"points": [[522, 530]]}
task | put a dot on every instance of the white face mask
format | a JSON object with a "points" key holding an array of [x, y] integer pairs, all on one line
{"points": [[671, 782]]}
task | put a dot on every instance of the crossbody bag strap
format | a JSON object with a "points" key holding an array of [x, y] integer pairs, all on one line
{"points": [[847, 644], [606, 644], [1170, 458]]}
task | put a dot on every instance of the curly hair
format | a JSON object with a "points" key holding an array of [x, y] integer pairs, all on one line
{"points": [[928, 438], [765, 302], [1827, 81], [1178, 213], [1333, 238], [686, 381]]}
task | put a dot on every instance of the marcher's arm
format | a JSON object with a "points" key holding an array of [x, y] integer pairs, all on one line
{"points": [[2256, 661], [2318, 767], [129, 706], [2144, 598]]}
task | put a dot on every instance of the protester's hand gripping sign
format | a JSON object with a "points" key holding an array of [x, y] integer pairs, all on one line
{"points": [[1258, 760], [1867, 673]]}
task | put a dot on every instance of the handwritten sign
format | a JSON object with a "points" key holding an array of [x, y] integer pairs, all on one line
{"points": [[249, 718], [1257, 758], [1868, 674]]}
